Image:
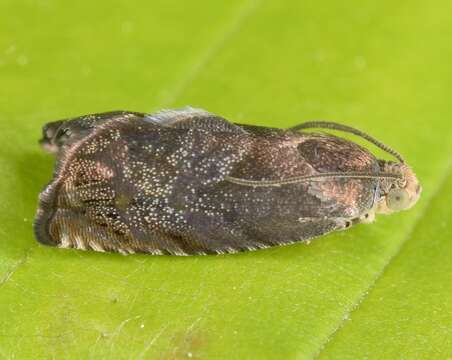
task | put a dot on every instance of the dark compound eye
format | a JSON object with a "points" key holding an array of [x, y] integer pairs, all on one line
{"points": [[397, 199]]}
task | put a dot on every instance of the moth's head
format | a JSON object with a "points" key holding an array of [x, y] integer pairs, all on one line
{"points": [[398, 194]]}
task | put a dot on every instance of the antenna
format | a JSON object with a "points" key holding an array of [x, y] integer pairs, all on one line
{"points": [[349, 129]]}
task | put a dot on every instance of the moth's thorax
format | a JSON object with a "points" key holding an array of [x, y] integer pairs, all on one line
{"points": [[398, 194]]}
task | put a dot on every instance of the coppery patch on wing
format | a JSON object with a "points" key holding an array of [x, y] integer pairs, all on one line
{"points": [[273, 158], [330, 153], [346, 195]]}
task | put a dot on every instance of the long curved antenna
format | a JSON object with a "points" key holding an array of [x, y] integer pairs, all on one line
{"points": [[313, 177], [349, 129]]}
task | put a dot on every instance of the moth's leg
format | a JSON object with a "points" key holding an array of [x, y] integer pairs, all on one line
{"points": [[344, 223], [311, 228], [367, 217]]}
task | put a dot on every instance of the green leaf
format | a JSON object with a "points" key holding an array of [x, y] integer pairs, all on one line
{"points": [[374, 291]]}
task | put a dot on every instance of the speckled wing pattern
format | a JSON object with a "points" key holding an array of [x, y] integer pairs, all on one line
{"points": [[192, 118], [157, 184]]}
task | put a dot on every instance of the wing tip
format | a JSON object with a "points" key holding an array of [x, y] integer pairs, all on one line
{"points": [[43, 218]]}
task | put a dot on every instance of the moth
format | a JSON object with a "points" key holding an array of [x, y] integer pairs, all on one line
{"points": [[189, 182]]}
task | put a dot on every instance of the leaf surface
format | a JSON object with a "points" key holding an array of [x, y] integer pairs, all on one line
{"points": [[375, 291]]}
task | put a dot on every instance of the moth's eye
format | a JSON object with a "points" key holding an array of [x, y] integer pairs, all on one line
{"points": [[397, 199]]}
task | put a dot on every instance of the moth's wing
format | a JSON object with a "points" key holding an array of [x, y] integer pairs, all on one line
{"points": [[102, 230], [61, 134], [192, 118], [280, 231], [245, 217], [248, 217], [85, 206], [275, 215], [128, 186], [249, 232], [131, 186]]}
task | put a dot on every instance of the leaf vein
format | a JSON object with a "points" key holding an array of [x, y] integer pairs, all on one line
{"points": [[206, 57], [16, 266]]}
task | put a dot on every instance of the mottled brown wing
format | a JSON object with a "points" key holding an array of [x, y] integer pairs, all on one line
{"points": [[130, 186], [250, 217], [137, 186]]}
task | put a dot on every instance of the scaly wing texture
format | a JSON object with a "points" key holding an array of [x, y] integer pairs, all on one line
{"points": [[126, 188], [191, 118], [138, 186]]}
